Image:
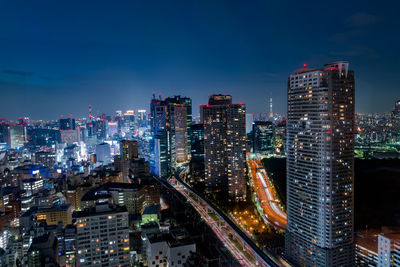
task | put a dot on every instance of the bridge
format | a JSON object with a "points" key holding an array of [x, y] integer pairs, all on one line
{"points": [[246, 252]]}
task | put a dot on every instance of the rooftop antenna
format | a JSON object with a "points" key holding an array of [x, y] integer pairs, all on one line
{"points": [[90, 112]]}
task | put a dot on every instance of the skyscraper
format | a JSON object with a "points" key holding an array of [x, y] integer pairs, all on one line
{"points": [[170, 126], [179, 116], [100, 129], [320, 166], [67, 124], [129, 151], [159, 154], [396, 115], [103, 153], [263, 133], [225, 146], [197, 153], [129, 122], [197, 141]]}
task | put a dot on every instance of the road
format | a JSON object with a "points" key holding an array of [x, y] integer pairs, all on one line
{"points": [[219, 231], [265, 193]]}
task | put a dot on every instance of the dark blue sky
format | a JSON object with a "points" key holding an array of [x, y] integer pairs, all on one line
{"points": [[57, 57]]}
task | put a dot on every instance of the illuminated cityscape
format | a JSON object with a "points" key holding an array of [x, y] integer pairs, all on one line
{"points": [[212, 133]]}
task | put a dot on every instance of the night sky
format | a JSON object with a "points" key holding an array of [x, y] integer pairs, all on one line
{"points": [[57, 57]]}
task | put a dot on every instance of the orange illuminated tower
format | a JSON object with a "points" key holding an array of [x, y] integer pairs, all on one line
{"points": [[271, 114]]}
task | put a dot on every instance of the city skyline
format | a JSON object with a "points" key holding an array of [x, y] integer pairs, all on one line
{"points": [[115, 57], [199, 133]]}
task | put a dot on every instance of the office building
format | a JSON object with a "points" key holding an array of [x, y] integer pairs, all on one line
{"points": [[45, 158], [225, 146], [31, 185], [320, 166], [396, 111], [263, 134], [170, 122], [70, 245], [129, 151], [17, 136], [56, 214], [141, 118], [43, 251], [67, 124], [197, 141], [159, 153], [129, 121], [70, 136], [102, 236], [103, 153], [197, 153], [112, 129], [249, 122], [101, 129], [179, 121], [4, 131]]}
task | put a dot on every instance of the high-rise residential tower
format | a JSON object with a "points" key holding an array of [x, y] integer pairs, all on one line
{"points": [[320, 166], [225, 146]]}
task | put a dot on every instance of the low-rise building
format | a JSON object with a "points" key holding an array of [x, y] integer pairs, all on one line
{"points": [[102, 236], [169, 249], [56, 214], [389, 249]]}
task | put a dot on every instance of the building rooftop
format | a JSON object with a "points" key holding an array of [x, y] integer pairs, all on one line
{"points": [[367, 241], [175, 238], [394, 236], [30, 180], [99, 210], [152, 209], [63, 207], [94, 194]]}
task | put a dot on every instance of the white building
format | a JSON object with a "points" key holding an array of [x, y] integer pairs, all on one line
{"points": [[70, 136], [320, 166], [170, 249], [32, 185], [103, 153], [17, 135], [112, 128], [389, 250], [102, 236]]}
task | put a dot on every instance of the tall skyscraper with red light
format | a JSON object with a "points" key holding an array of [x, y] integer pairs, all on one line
{"points": [[320, 166]]}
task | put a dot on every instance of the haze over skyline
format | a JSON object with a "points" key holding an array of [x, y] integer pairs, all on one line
{"points": [[57, 58]]}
